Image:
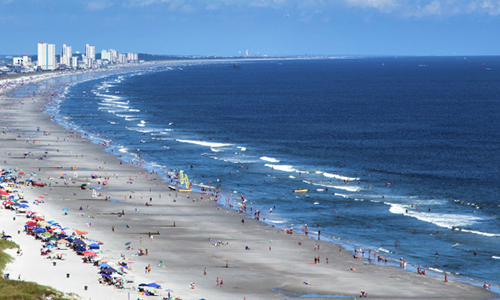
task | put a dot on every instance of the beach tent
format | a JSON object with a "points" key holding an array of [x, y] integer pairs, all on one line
{"points": [[94, 246]]}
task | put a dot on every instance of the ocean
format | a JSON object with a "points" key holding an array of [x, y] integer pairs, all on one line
{"points": [[390, 149]]}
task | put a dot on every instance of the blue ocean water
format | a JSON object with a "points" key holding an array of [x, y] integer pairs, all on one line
{"points": [[390, 149]]}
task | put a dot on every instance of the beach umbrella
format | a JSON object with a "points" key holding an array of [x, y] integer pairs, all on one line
{"points": [[105, 275], [40, 230], [169, 290], [24, 205], [109, 270], [89, 253], [65, 210], [9, 202], [4, 193], [78, 242], [143, 284], [94, 246], [154, 285], [104, 265], [23, 201], [81, 232], [6, 237], [80, 249], [38, 219]]}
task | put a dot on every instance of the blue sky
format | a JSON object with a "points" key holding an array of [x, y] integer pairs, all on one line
{"points": [[272, 27]]}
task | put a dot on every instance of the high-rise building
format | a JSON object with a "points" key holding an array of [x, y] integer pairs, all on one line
{"points": [[114, 55], [46, 56], [106, 55], [74, 62], [66, 55], [90, 52]]}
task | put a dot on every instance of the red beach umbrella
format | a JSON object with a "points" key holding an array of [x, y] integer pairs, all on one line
{"points": [[4, 193], [89, 253]]}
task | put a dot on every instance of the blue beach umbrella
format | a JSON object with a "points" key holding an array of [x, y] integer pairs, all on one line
{"points": [[24, 205], [104, 265], [94, 246], [40, 230], [154, 285]]}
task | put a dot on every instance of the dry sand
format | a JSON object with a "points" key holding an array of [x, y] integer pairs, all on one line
{"points": [[274, 267]]}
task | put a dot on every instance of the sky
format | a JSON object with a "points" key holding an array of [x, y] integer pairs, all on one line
{"points": [[263, 27]]}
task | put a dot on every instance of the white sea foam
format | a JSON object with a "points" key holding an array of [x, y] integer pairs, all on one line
{"points": [[284, 168], [291, 176], [495, 257], [339, 187], [330, 175], [342, 195], [269, 159], [436, 270], [234, 160], [242, 148], [481, 233], [216, 150], [440, 219], [206, 144]]}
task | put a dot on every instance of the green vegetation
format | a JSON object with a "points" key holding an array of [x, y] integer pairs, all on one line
{"points": [[22, 290]]}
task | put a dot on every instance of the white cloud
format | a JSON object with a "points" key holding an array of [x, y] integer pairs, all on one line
{"points": [[97, 5], [401, 8], [428, 8], [383, 5]]}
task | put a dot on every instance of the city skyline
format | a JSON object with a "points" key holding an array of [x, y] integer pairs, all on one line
{"points": [[263, 27]]}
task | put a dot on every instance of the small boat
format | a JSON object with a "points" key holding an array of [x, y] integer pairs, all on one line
{"points": [[301, 191]]}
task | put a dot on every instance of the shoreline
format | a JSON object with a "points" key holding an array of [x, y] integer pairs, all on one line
{"points": [[286, 257]]}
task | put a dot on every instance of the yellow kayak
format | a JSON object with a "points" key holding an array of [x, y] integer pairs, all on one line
{"points": [[301, 191], [185, 191]]}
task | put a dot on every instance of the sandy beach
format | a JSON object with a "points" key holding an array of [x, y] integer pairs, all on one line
{"points": [[189, 238]]}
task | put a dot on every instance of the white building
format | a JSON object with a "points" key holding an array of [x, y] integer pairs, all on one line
{"points": [[122, 59], [74, 62], [17, 61], [66, 55], [114, 55], [90, 52], [46, 56], [24, 61], [90, 56], [106, 55]]}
